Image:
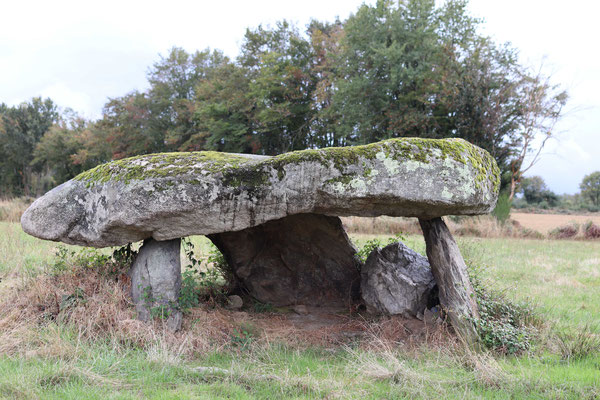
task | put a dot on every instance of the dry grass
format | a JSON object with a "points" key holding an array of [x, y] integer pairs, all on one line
{"points": [[40, 314], [12, 209], [480, 226], [546, 222]]}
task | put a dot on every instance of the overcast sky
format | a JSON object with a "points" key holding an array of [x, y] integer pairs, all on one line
{"points": [[80, 53]]}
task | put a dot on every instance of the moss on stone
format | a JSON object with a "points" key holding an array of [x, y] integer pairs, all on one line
{"points": [[239, 170], [343, 179]]}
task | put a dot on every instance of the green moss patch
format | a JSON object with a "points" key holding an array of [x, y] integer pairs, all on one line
{"points": [[239, 170]]}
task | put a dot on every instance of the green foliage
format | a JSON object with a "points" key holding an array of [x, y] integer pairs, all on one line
{"points": [[243, 337], [21, 128], [71, 261], [159, 307], [259, 307], [590, 187], [372, 244], [535, 191], [503, 325], [392, 69], [203, 280], [502, 210]]}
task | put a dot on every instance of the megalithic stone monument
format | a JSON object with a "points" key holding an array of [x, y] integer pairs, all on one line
{"points": [[276, 218]]}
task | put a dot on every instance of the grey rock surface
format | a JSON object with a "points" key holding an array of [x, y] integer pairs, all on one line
{"points": [[234, 302], [156, 281], [302, 259], [171, 195], [396, 280]]}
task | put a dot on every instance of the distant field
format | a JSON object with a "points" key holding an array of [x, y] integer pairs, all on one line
{"points": [[544, 223]]}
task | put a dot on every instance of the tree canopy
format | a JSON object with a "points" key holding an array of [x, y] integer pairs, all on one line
{"points": [[393, 69], [590, 187]]}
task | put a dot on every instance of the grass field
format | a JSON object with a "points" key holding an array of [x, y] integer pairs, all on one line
{"points": [[57, 359], [544, 223]]}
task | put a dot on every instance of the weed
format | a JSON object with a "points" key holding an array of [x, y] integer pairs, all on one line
{"points": [[70, 300], [370, 245], [504, 326], [580, 345], [188, 297], [243, 336], [70, 261], [202, 281]]}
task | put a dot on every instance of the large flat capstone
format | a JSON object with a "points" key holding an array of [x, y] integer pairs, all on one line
{"points": [[172, 195]]}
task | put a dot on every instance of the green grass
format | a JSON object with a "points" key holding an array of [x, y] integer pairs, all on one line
{"points": [[562, 277]]}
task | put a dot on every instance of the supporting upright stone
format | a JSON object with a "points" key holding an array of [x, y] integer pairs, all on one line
{"points": [[156, 281], [301, 259], [455, 291]]}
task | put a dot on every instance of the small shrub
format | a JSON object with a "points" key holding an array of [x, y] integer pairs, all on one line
{"points": [[70, 261], [370, 245], [189, 295], [591, 230], [243, 336], [502, 210], [209, 280], [504, 326], [565, 232]]}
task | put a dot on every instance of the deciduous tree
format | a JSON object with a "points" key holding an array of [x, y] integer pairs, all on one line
{"points": [[590, 187]]}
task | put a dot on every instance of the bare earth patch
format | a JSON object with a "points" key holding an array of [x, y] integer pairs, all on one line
{"points": [[544, 223]]}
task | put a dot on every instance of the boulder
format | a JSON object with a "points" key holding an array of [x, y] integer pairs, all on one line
{"points": [[396, 280], [172, 195], [301, 259]]}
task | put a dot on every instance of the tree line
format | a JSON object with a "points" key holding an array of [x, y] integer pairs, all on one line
{"points": [[535, 194], [394, 69]]}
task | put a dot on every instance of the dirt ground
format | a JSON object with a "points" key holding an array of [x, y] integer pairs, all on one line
{"points": [[544, 223]]}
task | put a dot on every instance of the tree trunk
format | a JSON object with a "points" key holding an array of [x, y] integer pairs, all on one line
{"points": [[456, 294], [513, 187]]}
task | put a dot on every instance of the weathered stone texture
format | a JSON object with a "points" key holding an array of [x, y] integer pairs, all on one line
{"points": [[156, 281], [457, 296], [396, 280], [172, 195], [301, 259]]}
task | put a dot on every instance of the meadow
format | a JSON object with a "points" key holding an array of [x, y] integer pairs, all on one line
{"points": [[97, 350]]}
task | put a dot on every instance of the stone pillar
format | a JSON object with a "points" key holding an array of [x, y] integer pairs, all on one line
{"points": [[456, 294], [156, 282], [301, 259]]}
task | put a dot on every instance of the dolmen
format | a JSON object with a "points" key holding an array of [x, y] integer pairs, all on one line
{"points": [[276, 219]]}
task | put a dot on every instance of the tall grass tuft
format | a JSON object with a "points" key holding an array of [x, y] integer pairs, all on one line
{"points": [[502, 210], [580, 345]]}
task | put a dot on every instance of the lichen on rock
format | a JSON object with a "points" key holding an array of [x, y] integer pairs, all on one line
{"points": [[171, 195]]}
